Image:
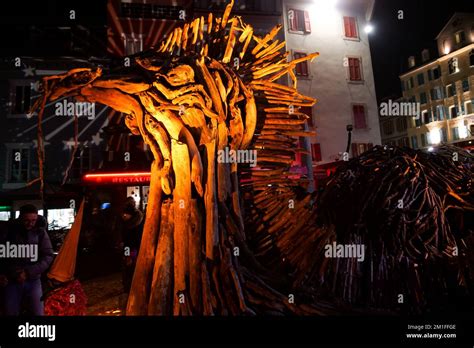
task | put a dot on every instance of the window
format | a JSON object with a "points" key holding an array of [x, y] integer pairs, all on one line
{"points": [[359, 116], [414, 141], [455, 133], [444, 135], [354, 69], [410, 83], [350, 27], [441, 112], [132, 44], [403, 85], [388, 127], [465, 85], [137, 10], [426, 116], [423, 98], [424, 141], [453, 66], [411, 61], [418, 121], [436, 93], [421, 79], [453, 111], [460, 37], [60, 218], [471, 58], [21, 99], [316, 152], [401, 124], [451, 90], [434, 74], [469, 108], [301, 68], [18, 165], [360, 148], [299, 21]]}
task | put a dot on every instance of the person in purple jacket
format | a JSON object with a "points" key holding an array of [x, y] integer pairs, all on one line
{"points": [[27, 254]]}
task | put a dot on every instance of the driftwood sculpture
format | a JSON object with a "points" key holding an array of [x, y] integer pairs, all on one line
{"points": [[210, 88], [229, 238]]}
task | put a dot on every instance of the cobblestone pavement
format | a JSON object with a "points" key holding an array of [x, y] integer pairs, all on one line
{"points": [[105, 295]]}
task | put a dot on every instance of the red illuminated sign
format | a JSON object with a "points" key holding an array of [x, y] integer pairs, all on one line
{"points": [[118, 178]]}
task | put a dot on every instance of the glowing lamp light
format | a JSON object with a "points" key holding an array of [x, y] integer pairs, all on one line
{"points": [[368, 28], [118, 178], [435, 136], [462, 131], [430, 148]]}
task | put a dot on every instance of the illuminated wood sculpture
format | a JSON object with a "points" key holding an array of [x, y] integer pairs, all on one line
{"points": [[211, 85]]}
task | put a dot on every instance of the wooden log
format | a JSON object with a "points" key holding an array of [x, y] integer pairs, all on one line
{"points": [[161, 295], [141, 283], [195, 258], [181, 209]]}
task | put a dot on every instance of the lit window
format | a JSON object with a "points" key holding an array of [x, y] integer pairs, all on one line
{"points": [[360, 148], [453, 66], [460, 37], [350, 27], [299, 21]]}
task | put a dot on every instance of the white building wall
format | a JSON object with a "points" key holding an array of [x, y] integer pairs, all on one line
{"points": [[328, 80]]}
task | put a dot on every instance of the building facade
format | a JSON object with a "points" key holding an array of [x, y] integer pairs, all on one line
{"points": [[340, 78], [444, 88]]}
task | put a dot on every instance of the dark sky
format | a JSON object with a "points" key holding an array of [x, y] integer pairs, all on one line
{"points": [[394, 40]]}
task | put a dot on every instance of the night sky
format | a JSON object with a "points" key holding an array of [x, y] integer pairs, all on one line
{"points": [[394, 40]]}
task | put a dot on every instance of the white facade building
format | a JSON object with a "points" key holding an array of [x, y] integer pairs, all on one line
{"points": [[341, 77]]}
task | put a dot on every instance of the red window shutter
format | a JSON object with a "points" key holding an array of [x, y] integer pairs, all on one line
{"points": [[357, 69], [293, 22], [354, 69], [359, 116], [316, 152], [301, 68], [347, 27], [353, 27], [307, 22]]}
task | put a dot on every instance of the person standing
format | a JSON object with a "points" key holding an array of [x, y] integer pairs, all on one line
{"points": [[22, 273]]}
